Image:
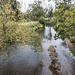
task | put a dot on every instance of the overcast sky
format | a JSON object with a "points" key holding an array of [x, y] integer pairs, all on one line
{"points": [[24, 4]]}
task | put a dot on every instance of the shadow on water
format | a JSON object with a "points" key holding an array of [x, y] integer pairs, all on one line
{"points": [[36, 61]]}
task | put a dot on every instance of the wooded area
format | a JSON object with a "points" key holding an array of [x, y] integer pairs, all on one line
{"points": [[63, 19]]}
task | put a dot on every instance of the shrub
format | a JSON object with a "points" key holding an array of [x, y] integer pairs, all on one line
{"points": [[53, 21], [65, 23], [42, 20]]}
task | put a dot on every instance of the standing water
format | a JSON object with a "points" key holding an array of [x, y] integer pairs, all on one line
{"points": [[24, 61]]}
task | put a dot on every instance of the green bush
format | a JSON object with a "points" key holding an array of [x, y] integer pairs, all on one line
{"points": [[65, 23], [53, 21], [42, 20]]}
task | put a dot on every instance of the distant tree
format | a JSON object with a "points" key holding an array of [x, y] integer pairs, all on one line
{"points": [[29, 14], [50, 13], [46, 11], [61, 3], [37, 10]]}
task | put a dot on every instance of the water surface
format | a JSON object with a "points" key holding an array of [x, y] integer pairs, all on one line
{"points": [[26, 61]]}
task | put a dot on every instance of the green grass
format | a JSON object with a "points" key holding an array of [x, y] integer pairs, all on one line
{"points": [[46, 18], [24, 21]]}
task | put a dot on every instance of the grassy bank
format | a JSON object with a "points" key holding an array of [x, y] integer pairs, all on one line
{"points": [[23, 32]]}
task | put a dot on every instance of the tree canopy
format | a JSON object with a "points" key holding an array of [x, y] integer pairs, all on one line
{"points": [[37, 10]]}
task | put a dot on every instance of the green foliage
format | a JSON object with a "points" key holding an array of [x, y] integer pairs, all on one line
{"points": [[50, 12], [9, 36], [12, 2], [11, 32], [21, 15], [37, 10], [24, 21], [53, 21], [65, 22], [62, 3], [42, 20], [19, 33], [7, 14], [29, 15], [37, 26]]}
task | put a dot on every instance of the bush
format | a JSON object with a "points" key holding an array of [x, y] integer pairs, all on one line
{"points": [[53, 21], [42, 20], [65, 23]]}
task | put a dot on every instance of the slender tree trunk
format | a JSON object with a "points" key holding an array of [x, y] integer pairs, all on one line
{"points": [[4, 29]]}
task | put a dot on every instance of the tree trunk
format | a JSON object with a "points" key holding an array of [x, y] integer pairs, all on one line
{"points": [[4, 29]]}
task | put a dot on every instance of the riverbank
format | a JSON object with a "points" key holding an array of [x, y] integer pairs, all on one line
{"points": [[18, 32], [64, 31], [64, 23]]}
